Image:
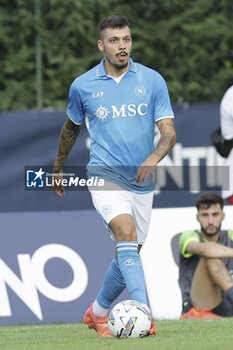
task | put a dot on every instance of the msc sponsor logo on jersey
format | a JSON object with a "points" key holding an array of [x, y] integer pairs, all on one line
{"points": [[102, 112], [124, 111]]}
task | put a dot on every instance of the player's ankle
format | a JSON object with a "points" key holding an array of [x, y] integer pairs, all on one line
{"points": [[99, 310]]}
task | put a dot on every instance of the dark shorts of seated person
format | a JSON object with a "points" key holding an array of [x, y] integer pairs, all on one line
{"points": [[224, 309]]}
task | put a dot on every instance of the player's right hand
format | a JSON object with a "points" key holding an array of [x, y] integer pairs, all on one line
{"points": [[57, 185]]}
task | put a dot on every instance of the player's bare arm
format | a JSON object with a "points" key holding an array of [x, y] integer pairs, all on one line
{"points": [[209, 250], [166, 142], [68, 136]]}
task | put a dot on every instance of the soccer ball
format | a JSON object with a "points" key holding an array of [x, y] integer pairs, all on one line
{"points": [[129, 319]]}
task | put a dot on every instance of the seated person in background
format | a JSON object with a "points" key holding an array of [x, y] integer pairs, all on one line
{"points": [[206, 263]]}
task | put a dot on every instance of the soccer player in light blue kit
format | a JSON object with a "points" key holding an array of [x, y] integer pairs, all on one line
{"points": [[121, 101]]}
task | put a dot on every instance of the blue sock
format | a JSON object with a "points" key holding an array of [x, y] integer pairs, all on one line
{"points": [[112, 286], [132, 271]]}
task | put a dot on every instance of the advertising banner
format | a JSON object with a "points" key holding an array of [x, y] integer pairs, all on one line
{"points": [[52, 265], [54, 251], [29, 141]]}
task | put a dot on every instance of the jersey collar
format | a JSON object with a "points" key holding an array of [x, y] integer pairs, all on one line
{"points": [[100, 70]]}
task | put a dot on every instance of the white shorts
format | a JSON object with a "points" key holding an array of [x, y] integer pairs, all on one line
{"points": [[110, 204]]}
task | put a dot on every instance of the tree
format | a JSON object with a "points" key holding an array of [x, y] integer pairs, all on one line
{"points": [[188, 42]]}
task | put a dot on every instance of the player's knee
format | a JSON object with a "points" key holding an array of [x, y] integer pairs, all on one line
{"points": [[125, 232]]}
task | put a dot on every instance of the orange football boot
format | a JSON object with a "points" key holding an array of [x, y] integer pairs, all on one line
{"points": [[208, 313], [194, 312], [152, 330], [98, 323]]}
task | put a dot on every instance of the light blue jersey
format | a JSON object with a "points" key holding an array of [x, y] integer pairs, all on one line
{"points": [[120, 118]]}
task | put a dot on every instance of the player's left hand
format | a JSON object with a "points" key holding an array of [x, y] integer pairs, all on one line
{"points": [[57, 186], [146, 169]]}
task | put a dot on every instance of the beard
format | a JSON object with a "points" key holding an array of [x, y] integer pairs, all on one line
{"points": [[121, 66], [118, 66], [211, 234]]}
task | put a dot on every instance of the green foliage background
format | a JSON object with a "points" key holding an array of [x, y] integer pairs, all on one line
{"points": [[190, 42]]}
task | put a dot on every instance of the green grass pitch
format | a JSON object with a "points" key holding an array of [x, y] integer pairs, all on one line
{"points": [[172, 335]]}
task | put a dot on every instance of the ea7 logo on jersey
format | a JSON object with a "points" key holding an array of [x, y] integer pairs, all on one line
{"points": [[97, 94], [130, 110]]}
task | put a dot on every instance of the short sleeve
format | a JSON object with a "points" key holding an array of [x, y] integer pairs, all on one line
{"points": [[162, 103], [185, 238], [75, 107]]}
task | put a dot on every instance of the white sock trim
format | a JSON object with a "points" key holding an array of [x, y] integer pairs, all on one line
{"points": [[98, 310]]}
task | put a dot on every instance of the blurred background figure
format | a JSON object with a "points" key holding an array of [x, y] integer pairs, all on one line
{"points": [[226, 120]]}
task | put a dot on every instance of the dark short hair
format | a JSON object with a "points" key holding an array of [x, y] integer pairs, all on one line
{"points": [[113, 22], [207, 199]]}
